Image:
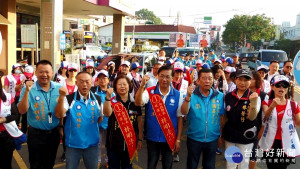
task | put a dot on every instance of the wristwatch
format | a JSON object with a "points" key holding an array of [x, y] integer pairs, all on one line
{"points": [[187, 99]]}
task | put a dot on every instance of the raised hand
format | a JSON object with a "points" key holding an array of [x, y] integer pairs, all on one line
{"points": [[29, 85], [109, 92], [63, 91], [145, 79]]}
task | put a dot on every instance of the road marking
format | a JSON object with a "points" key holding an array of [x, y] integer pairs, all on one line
{"points": [[19, 160], [297, 89]]}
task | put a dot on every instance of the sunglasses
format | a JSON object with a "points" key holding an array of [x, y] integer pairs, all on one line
{"points": [[73, 70], [284, 85], [289, 67]]}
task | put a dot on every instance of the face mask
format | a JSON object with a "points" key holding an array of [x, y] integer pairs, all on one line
{"points": [[18, 71]]}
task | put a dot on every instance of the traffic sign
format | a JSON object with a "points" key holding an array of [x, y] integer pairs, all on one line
{"points": [[207, 19], [62, 41]]}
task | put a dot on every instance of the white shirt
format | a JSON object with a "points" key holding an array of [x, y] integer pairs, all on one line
{"points": [[152, 81], [146, 99], [271, 76]]}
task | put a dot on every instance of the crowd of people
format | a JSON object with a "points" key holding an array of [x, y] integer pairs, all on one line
{"points": [[87, 107]]}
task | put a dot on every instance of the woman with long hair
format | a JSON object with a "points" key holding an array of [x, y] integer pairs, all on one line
{"points": [[9, 112], [61, 74], [116, 143], [255, 86], [281, 117], [220, 82]]}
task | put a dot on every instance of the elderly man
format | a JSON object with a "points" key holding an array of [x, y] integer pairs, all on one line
{"points": [[84, 114], [204, 108], [163, 117]]}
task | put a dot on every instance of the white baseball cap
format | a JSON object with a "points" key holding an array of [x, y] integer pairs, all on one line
{"points": [[72, 66], [178, 66], [103, 72], [89, 63], [125, 63], [229, 69]]}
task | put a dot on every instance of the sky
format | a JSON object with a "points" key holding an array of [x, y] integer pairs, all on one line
{"points": [[220, 10]]}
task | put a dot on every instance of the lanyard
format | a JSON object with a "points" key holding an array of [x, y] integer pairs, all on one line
{"points": [[48, 101]]}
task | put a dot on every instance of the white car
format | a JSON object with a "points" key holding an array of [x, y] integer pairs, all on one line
{"points": [[94, 51]]}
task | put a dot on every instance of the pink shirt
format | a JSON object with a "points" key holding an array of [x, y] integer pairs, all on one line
{"points": [[17, 77]]}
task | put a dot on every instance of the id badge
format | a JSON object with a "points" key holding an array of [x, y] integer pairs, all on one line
{"points": [[50, 117]]}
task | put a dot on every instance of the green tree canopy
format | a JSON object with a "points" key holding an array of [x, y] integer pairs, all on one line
{"points": [[148, 15], [255, 28]]}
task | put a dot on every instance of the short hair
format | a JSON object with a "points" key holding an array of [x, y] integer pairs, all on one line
{"points": [[257, 78], [288, 61], [166, 68], [122, 76], [83, 72], [44, 62], [161, 50], [274, 61], [204, 71]]}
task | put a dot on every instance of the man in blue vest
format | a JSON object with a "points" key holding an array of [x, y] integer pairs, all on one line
{"points": [[39, 99], [204, 107], [103, 80], [172, 98], [84, 113]]}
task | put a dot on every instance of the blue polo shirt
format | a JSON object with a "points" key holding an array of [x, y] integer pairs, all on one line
{"points": [[41, 104]]}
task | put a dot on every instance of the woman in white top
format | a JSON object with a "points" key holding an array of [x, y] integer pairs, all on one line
{"points": [[61, 75]]}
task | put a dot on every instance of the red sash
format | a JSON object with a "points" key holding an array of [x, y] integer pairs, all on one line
{"points": [[163, 118], [125, 126]]}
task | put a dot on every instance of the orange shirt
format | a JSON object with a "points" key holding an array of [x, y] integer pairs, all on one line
{"points": [[203, 43], [180, 43]]}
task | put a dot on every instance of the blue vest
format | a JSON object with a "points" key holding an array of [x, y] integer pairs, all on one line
{"points": [[81, 128], [104, 123], [41, 104], [154, 132], [203, 118]]}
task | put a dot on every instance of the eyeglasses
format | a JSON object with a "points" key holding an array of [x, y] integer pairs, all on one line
{"points": [[289, 67], [284, 85], [73, 70]]}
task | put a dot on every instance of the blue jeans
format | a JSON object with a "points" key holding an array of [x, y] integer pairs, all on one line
{"points": [[194, 151], [118, 159], [154, 150], [89, 155]]}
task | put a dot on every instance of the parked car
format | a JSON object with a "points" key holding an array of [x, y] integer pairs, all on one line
{"points": [[94, 51], [265, 56]]}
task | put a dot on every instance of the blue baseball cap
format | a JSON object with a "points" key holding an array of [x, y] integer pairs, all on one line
{"points": [[212, 50], [135, 65], [205, 54], [205, 66], [229, 60]]}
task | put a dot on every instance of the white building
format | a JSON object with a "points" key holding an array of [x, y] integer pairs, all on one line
{"points": [[292, 32]]}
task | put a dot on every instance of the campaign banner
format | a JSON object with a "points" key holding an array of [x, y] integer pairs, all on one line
{"points": [[194, 40], [177, 40], [204, 41]]}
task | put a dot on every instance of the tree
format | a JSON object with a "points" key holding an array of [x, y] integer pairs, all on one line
{"points": [[148, 15], [254, 28], [290, 47]]}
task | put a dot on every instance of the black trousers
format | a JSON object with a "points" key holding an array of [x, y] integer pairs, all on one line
{"points": [[7, 146], [42, 147]]}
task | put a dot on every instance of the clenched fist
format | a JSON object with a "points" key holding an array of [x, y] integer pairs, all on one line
{"points": [[276, 101], [63, 91], [145, 79], [253, 96], [29, 85], [109, 92], [190, 90]]}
